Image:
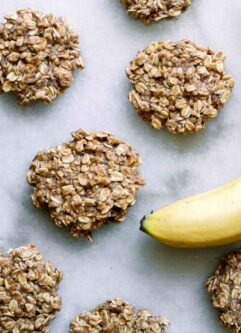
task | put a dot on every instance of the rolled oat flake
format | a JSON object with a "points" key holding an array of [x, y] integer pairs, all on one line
{"points": [[38, 54]]}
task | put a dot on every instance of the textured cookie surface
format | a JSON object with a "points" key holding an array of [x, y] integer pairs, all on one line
{"points": [[38, 55], [28, 291], [155, 10], [87, 182], [120, 317], [224, 288], [179, 85]]}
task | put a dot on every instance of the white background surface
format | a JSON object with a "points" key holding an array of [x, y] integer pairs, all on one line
{"points": [[123, 261]]}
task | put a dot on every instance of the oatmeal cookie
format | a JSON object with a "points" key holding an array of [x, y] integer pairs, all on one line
{"points": [[154, 10], [87, 182], [28, 291], [38, 54], [224, 288], [179, 85], [118, 316]]}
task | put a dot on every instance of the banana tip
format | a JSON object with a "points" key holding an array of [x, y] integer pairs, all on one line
{"points": [[142, 222], [142, 227]]}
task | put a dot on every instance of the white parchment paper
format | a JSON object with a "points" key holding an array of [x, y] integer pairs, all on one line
{"points": [[122, 261]]}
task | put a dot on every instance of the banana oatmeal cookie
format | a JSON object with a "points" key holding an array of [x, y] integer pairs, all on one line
{"points": [[224, 288], [155, 10], [118, 316], [87, 182], [28, 291], [179, 85], [38, 54]]}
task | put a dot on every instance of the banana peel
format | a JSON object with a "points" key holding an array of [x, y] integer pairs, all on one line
{"points": [[208, 219]]}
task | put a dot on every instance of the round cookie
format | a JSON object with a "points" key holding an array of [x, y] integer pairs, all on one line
{"points": [[179, 85], [155, 10], [87, 182], [38, 56], [28, 291], [224, 288], [118, 316]]}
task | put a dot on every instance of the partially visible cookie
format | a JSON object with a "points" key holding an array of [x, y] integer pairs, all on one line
{"points": [[178, 85], [28, 291], [155, 10], [38, 56], [224, 288], [118, 316], [87, 182]]}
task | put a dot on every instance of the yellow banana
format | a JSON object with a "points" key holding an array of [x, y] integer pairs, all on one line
{"points": [[208, 219]]}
